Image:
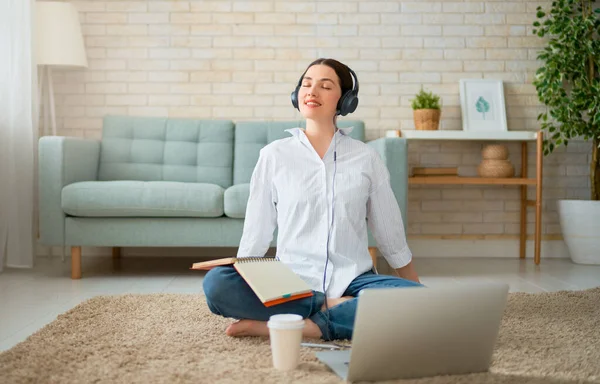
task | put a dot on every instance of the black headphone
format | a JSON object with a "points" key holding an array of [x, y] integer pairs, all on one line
{"points": [[347, 103]]}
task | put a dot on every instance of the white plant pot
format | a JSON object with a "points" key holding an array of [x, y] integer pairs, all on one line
{"points": [[580, 225]]}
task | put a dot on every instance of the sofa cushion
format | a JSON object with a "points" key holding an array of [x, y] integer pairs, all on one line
{"points": [[166, 149], [142, 199], [252, 136], [236, 199]]}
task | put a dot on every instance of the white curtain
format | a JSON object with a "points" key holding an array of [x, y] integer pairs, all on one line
{"points": [[17, 135]]}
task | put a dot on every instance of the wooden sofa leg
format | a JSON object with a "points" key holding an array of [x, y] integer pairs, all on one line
{"points": [[373, 252], [116, 252], [75, 262]]}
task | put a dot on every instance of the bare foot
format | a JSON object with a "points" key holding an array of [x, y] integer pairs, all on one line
{"points": [[333, 302], [247, 328], [259, 328]]}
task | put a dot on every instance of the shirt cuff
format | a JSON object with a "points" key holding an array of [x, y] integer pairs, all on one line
{"points": [[400, 259]]}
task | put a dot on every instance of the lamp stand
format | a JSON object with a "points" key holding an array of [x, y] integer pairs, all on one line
{"points": [[46, 98]]}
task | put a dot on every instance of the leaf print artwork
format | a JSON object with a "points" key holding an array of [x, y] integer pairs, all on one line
{"points": [[482, 106]]}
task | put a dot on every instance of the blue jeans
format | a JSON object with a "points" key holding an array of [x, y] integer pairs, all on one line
{"points": [[228, 295]]}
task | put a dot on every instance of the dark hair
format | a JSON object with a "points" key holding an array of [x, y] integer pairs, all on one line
{"points": [[341, 70]]}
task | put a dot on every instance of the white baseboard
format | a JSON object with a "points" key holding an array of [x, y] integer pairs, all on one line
{"points": [[199, 252], [420, 248], [484, 248]]}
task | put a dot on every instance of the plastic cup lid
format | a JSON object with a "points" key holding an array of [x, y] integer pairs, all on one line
{"points": [[286, 321]]}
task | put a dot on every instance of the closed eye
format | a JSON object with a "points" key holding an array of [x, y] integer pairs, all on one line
{"points": [[325, 84], [308, 86]]}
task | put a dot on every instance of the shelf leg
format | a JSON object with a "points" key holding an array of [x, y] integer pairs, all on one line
{"points": [[538, 197], [523, 233]]}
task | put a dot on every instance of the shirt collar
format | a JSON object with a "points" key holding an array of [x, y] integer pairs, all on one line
{"points": [[298, 132]]}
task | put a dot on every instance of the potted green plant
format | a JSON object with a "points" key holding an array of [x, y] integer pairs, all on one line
{"points": [[568, 84], [426, 110]]}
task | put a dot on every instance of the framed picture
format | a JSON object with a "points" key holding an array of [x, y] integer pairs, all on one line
{"points": [[482, 105]]}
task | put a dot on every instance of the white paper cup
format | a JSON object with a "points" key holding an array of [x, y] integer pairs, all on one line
{"points": [[285, 332]]}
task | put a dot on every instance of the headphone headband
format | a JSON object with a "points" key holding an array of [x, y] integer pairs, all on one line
{"points": [[354, 79]]}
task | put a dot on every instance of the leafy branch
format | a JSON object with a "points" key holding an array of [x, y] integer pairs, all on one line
{"points": [[568, 80]]}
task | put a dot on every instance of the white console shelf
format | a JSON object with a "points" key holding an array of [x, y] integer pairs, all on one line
{"points": [[522, 181], [465, 135]]}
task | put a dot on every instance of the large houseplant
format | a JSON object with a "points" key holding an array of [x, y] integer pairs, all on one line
{"points": [[568, 83]]}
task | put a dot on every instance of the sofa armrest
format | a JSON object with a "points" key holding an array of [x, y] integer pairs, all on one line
{"points": [[394, 152], [62, 161]]}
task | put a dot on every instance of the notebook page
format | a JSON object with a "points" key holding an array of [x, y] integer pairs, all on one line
{"points": [[271, 279]]}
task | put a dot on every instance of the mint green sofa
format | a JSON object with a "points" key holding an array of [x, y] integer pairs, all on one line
{"points": [[165, 182]]}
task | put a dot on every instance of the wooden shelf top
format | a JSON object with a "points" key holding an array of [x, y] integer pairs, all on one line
{"points": [[464, 135], [471, 180]]}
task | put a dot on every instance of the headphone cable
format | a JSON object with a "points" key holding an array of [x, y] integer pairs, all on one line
{"points": [[329, 230]]}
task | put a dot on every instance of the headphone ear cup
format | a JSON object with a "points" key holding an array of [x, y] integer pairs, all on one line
{"points": [[348, 103], [352, 103], [294, 97], [341, 107]]}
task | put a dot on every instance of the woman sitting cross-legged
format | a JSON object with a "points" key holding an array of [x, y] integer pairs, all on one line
{"points": [[321, 189]]}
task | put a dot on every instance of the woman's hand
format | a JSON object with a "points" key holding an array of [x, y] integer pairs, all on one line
{"points": [[408, 272]]}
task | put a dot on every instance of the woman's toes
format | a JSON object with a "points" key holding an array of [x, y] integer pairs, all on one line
{"points": [[230, 330]]}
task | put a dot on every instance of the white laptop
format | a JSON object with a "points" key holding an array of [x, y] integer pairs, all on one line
{"points": [[402, 333]]}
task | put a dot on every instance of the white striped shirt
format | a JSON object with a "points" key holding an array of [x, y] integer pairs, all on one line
{"points": [[291, 189]]}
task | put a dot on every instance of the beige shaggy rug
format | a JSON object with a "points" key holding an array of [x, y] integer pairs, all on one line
{"points": [[167, 338]]}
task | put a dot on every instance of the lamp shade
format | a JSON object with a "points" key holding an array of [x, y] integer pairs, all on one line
{"points": [[59, 41]]}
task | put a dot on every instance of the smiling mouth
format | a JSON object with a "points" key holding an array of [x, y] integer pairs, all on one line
{"points": [[312, 104]]}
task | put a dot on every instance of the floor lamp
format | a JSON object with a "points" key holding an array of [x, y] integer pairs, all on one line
{"points": [[58, 44]]}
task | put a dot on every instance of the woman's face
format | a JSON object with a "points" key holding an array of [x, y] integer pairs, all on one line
{"points": [[319, 93]]}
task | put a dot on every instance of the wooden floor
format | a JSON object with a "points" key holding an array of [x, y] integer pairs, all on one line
{"points": [[30, 299]]}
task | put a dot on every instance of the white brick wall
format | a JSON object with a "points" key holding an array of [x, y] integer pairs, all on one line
{"points": [[241, 59]]}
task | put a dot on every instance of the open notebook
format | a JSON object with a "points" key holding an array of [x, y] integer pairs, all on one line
{"points": [[270, 279]]}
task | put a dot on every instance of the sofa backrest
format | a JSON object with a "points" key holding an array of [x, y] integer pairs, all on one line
{"points": [[252, 136], [165, 149]]}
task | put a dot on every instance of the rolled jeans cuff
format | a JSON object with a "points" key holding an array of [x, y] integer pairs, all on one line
{"points": [[320, 319]]}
